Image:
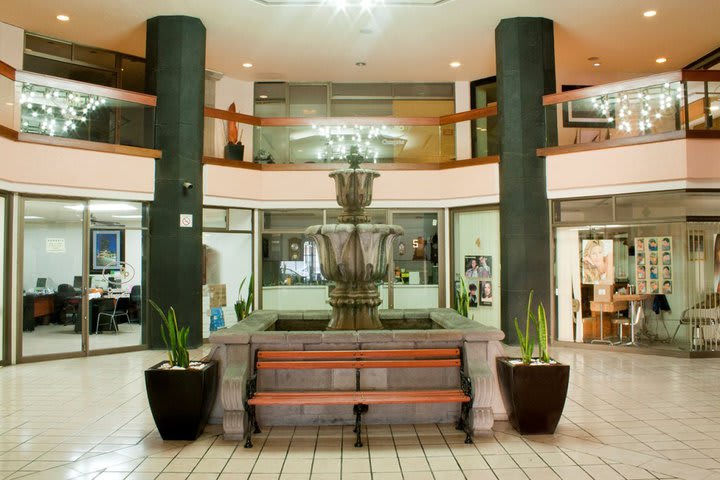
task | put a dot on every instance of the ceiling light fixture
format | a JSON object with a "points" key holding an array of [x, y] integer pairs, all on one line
{"points": [[661, 60], [649, 13], [360, 64], [596, 64], [247, 65], [103, 207], [455, 64], [263, 96], [63, 18], [33, 217]]}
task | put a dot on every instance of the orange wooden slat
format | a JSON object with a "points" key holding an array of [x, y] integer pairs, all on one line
{"points": [[352, 398], [358, 354], [330, 364]]}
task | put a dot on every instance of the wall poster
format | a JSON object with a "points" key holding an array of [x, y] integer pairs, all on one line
{"points": [[654, 265], [597, 262]]}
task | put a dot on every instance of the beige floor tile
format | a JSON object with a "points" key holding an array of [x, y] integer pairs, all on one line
{"points": [[500, 461], [326, 465], [541, 473], [172, 476], [233, 476], [268, 465], [384, 465], [355, 465], [303, 466], [203, 476], [476, 462], [210, 465], [235, 465], [438, 464]]}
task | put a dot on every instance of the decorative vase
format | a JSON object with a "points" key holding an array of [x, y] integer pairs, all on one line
{"points": [[534, 395], [181, 399]]}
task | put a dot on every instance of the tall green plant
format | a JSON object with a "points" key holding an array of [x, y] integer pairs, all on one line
{"points": [[244, 306], [539, 322], [175, 338], [526, 342], [462, 303]]}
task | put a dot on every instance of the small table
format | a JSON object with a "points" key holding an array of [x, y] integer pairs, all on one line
{"points": [[635, 310], [609, 307]]}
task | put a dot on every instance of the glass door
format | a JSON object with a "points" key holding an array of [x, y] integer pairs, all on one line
{"points": [[51, 274], [3, 312], [415, 267]]}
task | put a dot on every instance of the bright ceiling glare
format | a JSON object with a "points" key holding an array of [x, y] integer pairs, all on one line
{"points": [[455, 64], [649, 13], [596, 64], [661, 60], [247, 65], [63, 18]]}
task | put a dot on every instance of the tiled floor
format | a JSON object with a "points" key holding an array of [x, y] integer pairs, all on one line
{"points": [[627, 416]]}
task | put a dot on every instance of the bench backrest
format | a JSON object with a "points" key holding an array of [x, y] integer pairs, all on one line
{"points": [[358, 359]]}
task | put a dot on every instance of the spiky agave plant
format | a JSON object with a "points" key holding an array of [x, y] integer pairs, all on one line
{"points": [[175, 338], [526, 342], [462, 298], [542, 338], [244, 306]]}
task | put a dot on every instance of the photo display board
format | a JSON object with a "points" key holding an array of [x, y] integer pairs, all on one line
{"points": [[479, 272], [654, 265]]}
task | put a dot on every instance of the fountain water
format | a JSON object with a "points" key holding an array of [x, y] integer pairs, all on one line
{"points": [[353, 253]]}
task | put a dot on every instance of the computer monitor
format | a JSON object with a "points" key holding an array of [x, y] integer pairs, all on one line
{"points": [[77, 281], [41, 283]]}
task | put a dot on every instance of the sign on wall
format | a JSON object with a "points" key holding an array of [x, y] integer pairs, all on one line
{"points": [[55, 245]]}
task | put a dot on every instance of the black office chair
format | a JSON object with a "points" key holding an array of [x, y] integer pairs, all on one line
{"points": [[109, 311], [67, 302], [134, 304]]}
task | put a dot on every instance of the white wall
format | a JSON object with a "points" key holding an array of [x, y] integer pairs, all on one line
{"points": [[229, 261], [227, 91], [12, 44], [463, 140], [56, 267]]}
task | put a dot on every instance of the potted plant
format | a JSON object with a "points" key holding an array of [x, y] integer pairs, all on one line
{"points": [[533, 389], [244, 306], [462, 299], [234, 150], [180, 392]]}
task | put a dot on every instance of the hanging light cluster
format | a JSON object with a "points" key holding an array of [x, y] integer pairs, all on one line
{"points": [[603, 105], [340, 141], [649, 107], [50, 111]]}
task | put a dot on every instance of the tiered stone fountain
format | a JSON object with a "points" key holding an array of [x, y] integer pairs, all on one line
{"points": [[353, 253]]}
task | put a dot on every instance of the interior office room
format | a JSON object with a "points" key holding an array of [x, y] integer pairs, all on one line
{"points": [[56, 251]]}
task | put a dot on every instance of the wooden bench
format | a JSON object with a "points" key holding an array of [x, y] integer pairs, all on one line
{"points": [[359, 399]]}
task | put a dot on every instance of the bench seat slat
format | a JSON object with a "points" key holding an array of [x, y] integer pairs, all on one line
{"points": [[364, 397], [337, 364], [358, 354]]}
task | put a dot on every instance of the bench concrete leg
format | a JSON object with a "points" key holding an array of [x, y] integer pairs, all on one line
{"points": [[358, 410]]}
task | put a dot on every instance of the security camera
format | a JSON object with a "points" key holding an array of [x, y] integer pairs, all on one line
{"points": [[188, 185]]}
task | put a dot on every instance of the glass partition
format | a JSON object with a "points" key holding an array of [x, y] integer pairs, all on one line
{"points": [[415, 265], [3, 276], [636, 112], [79, 114]]}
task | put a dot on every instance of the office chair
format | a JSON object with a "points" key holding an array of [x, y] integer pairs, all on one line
{"points": [[111, 315], [134, 303], [67, 302]]}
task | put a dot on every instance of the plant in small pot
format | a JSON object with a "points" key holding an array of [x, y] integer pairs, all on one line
{"points": [[244, 305], [180, 392], [234, 150], [533, 389]]}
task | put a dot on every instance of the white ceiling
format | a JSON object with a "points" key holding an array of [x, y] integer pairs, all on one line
{"points": [[398, 42]]}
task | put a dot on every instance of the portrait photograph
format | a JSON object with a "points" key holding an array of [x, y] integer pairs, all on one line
{"points": [[639, 245], [667, 287], [654, 287], [640, 273], [473, 294], [640, 259], [642, 287], [597, 262], [666, 258], [472, 266], [665, 244], [653, 258], [654, 272], [652, 244], [486, 293], [666, 272]]}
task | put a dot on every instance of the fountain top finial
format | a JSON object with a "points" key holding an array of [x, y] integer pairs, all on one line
{"points": [[354, 157]]}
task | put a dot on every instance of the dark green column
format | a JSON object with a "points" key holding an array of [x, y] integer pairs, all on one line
{"points": [[176, 74], [525, 72]]}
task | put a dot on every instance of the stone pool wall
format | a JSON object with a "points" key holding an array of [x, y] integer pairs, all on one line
{"points": [[437, 328]]}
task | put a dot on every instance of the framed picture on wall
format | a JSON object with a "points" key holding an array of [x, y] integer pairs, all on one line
{"points": [[107, 249], [583, 114], [486, 293]]}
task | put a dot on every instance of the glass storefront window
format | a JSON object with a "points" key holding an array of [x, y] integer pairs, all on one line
{"points": [[2, 279]]}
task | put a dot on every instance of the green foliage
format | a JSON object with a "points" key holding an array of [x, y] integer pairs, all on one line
{"points": [[462, 298], [244, 305], [539, 322], [175, 338]]}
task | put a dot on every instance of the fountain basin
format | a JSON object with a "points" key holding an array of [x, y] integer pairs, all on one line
{"points": [[235, 349]]}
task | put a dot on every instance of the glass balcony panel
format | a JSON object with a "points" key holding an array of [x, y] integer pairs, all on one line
{"points": [[643, 111], [58, 112]]}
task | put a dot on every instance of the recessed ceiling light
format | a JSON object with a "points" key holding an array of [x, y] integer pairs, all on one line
{"points": [[593, 59], [661, 60], [714, 108], [455, 64], [262, 96], [596, 64], [650, 13], [63, 18], [33, 217], [360, 64], [247, 65]]}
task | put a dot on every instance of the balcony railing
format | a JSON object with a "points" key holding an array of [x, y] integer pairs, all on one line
{"points": [[649, 109], [44, 109], [416, 140]]}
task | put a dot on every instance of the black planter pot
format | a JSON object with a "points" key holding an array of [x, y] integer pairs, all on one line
{"points": [[234, 151], [534, 395], [181, 400]]}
